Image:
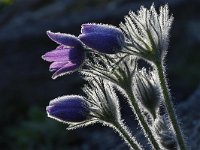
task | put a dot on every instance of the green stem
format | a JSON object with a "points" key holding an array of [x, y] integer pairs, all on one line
{"points": [[126, 135], [169, 106], [142, 121]]}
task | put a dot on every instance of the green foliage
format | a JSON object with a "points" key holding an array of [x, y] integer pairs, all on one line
{"points": [[37, 132], [4, 3]]}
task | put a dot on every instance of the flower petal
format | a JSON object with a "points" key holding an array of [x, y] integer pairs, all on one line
{"points": [[100, 28], [56, 65], [67, 68], [69, 115], [70, 108], [76, 55], [104, 43], [69, 100], [65, 39], [57, 55]]}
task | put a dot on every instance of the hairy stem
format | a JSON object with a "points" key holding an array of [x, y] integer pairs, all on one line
{"points": [[126, 135], [142, 121], [169, 106]]}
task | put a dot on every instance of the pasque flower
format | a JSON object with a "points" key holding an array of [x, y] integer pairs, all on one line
{"points": [[143, 35], [101, 37], [67, 57], [70, 108]]}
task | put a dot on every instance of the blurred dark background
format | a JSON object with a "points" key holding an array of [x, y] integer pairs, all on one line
{"points": [[26, 86]]}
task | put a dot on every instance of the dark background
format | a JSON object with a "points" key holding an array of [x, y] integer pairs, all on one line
{"points": [[26, 86]]}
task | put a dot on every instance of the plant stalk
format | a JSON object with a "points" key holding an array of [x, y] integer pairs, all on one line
{"points": [[169, 106], [126, 135], [142, 122]]}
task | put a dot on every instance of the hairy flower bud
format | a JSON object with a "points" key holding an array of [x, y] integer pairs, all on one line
{"points": [[103, 38], [146, 89], [71, 108]]}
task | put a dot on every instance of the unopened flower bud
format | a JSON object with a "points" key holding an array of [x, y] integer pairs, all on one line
{"points": [[68, 109], [147, 91], [103, 38]]}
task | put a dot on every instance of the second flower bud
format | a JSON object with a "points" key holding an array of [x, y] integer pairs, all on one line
{"points": [[147, 91]]}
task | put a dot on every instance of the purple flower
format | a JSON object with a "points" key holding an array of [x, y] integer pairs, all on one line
{"points": [[70, 108], [67, 57], [103, 38]]}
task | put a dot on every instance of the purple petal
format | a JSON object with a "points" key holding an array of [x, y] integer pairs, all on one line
{"points": [[100, 28], [65, 39], [65, 69], [68, 109], [67, 100], [56, 65], [76, 55], [57, 55], [69, 115], [104, 43]]}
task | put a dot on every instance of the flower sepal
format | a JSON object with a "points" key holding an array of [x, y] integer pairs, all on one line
{"points": [[103, 38]]}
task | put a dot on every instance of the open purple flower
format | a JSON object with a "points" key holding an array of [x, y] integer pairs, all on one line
{"points": [[103, 38], [67, 57], [70, 108]]}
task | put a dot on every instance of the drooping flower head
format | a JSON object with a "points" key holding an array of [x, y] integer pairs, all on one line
{"points": [[67, 57], [147, 32], [101, 37], [70, 108]]}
